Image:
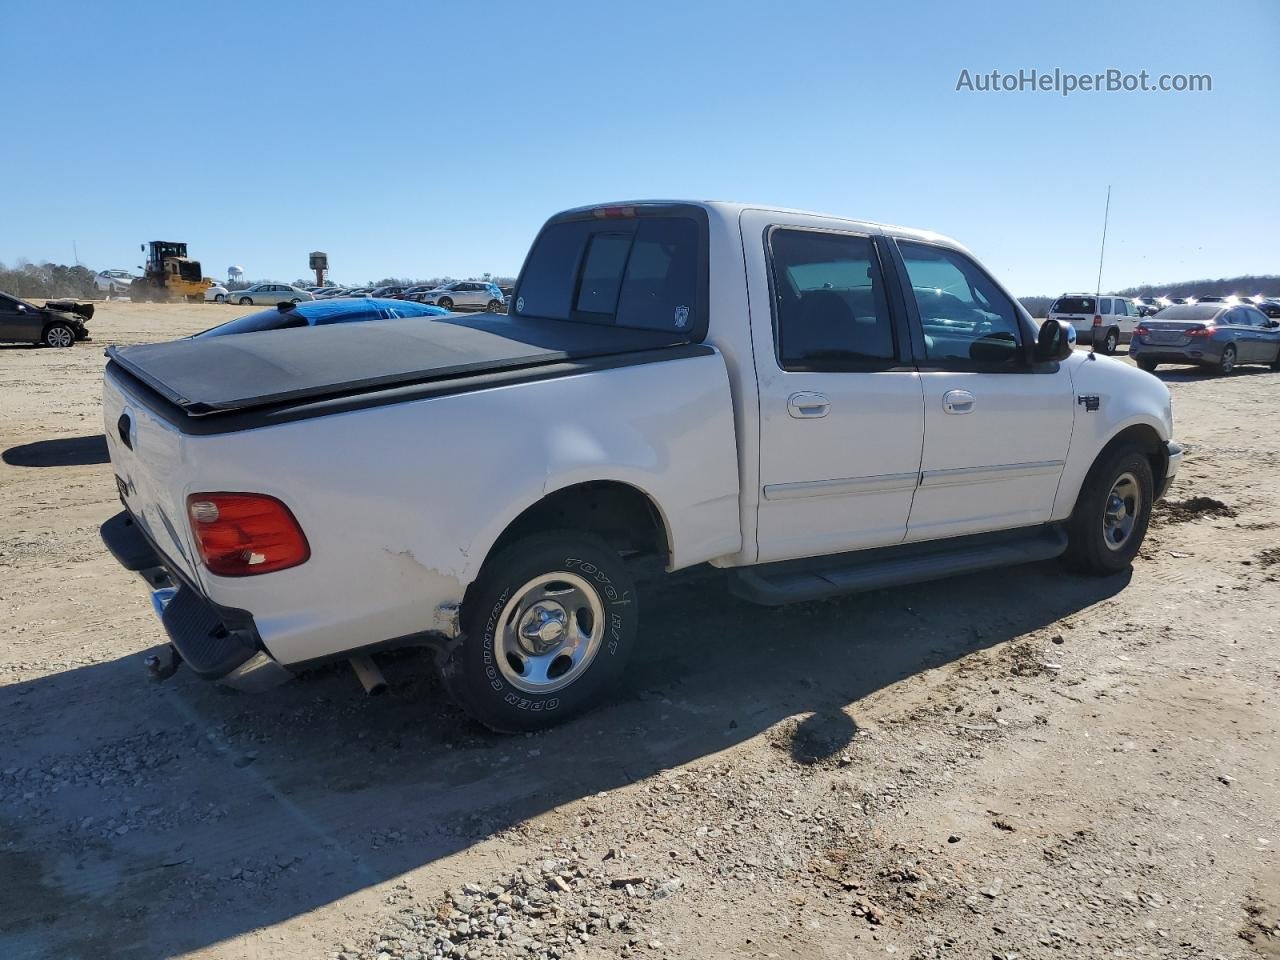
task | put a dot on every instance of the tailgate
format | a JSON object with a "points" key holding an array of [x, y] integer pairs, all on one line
{"points": [[147, 458]]}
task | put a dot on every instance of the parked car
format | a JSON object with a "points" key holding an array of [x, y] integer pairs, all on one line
{"points": [[416, 293], [59, 323], [318, 313], [327, 293], [216, 294], [359, 292], [1146, 305], [479, 294], [1219, 335], [816, 404], [1271, 308], [1105, 322], [1210, 299], [114, 283], [390, 290], [270, 293]]}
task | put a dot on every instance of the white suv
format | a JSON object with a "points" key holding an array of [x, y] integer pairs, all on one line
{"points": [[1105, 322]]}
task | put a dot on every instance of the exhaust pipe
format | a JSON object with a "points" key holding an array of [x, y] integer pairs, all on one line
{"points": [[369, 675]]}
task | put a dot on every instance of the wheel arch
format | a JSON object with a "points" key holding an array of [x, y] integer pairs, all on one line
{"points": [[621, 513], [1142, 436]]}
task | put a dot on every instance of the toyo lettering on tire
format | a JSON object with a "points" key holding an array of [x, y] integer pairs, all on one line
{"points": [[547, 627]]}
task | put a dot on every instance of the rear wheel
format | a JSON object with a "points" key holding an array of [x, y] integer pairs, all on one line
{"points": [[1227, 362], [1147, 365], [1111, 341], [58, 335], [547, 628], [493, 306], [219, 298], [1110, 519]]}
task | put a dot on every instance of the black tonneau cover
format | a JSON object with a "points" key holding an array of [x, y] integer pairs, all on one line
{"points": [[215, 375]]}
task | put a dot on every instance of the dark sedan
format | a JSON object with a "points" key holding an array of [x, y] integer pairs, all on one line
{"points": [[59, 323], [1216, 335], [315, 313]]}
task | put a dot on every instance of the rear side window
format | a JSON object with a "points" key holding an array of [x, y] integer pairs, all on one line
{"points": [[1073, 305], [831, 310], [632, 273]]}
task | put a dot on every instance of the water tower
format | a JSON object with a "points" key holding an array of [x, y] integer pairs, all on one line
{"points": [[234, 274]]}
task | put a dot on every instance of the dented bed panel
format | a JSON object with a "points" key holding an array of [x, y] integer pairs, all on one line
{"points": [[401, 503]]}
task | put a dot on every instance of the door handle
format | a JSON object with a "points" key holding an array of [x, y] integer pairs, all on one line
{"points": [[808, 406], [958, 401]]}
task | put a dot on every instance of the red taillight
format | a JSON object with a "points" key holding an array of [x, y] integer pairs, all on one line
{"points": [[1200, 332], [1141, 330], [1097, 319], [244, 534]]}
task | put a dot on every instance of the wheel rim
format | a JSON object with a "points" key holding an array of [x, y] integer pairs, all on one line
{"points": [[59, 337], [1228, 359], [1112, 342], [245, 300], [549, 632], [1120, 515]]}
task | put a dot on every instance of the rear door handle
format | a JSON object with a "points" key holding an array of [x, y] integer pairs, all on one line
{"points": [[958, 401], [808, 406]]}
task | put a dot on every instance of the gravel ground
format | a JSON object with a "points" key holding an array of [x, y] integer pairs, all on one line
{"points": [[1020, 764]]}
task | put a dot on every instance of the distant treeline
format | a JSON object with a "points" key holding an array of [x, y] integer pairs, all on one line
{"points": [[34, 281], [1248, 285]]}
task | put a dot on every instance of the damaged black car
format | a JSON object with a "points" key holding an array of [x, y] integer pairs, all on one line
{"points": [[59, 323]]}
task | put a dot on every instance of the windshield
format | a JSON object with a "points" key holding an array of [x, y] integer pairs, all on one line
{"points": [[1073, 305], [629, 271]]}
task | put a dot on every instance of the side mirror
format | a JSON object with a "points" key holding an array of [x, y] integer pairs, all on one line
{"points": [[1273, 323], [1055, 341]]}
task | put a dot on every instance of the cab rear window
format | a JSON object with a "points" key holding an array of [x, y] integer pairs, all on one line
{"points": [[640, 272], [1073, 305]]}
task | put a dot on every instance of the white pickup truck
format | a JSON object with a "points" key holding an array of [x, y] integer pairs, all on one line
{"points": [[819, 405]]}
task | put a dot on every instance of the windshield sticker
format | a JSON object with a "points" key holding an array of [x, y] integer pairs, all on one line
{"points": [[682, 316], [520, 305]]}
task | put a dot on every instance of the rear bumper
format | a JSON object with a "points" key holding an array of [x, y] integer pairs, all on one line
{"points": [[216, 642], [1205, 352]]}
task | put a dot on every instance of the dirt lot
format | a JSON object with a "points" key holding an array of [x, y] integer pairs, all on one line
{"points": [[1025, 764]]}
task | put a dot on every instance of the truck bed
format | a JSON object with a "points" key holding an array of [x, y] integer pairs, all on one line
{"points": [[225, 375]]}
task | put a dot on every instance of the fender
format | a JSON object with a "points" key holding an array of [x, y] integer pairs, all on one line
{"points": [[1111, 397]]}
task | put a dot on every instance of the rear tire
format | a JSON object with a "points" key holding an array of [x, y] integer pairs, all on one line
{"points": [[219, 298], [1147, 365], [1110, 342], [1227, 362], [493, 306], [1110, 519], [547, 627]]}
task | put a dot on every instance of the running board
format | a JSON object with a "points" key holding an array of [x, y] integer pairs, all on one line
{"points": [[817, 578]]}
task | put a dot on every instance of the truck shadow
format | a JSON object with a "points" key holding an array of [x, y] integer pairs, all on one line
{"points": [[125, 805], [63, 452]]}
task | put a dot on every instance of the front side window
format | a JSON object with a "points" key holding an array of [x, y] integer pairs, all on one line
{"points": [[965, 317], [831, 312]]}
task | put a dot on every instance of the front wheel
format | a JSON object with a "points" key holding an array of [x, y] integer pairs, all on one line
{"points": [[58, 335], [547, 628], [1227, 362], [445, 303], [246, 301], [1110, 520], [1147, 365]]}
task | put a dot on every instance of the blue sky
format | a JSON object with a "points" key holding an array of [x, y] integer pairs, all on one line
{"points": [[418, 138]]}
